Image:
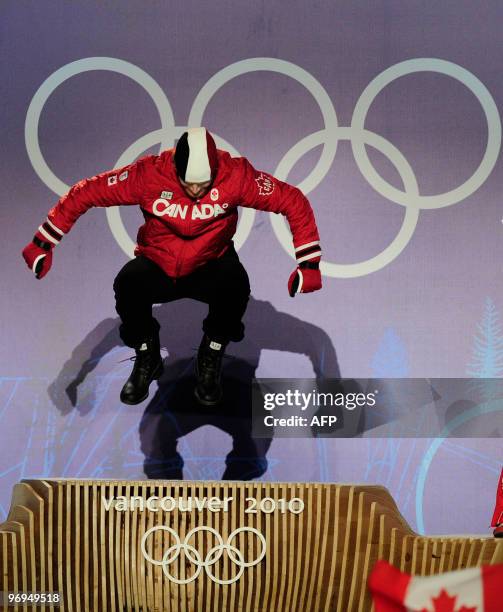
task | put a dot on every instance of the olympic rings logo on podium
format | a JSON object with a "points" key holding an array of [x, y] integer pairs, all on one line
{"points": [[328, 138], [193, 555]]}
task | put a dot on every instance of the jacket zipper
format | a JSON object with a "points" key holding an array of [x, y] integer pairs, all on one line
{"points": [[180, 257]]}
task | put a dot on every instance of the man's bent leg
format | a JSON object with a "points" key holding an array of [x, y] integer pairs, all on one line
{"points": [[139, 285], [223, 284]]}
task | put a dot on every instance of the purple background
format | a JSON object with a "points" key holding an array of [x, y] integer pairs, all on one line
{"points": [[416, 317]]}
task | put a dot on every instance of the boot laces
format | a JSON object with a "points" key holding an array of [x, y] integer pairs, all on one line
{"points": [[142, 360], [143, 363]]}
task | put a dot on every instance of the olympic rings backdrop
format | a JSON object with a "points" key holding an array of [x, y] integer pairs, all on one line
{"points": [[387, 115]]}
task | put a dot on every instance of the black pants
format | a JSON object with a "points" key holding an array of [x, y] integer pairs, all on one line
{"points": [[221, 283]]}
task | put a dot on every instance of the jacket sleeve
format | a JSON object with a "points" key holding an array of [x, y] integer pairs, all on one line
{"points": [[112, 188], [262, 191]]}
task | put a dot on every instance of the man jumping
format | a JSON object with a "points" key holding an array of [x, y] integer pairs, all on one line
{"points": [[189, 198]]}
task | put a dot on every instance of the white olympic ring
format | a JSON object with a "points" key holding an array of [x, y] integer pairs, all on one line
{"points": [[212, 557], [493, 136], [328, 137]]}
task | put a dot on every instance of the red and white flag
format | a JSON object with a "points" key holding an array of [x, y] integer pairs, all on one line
{"points": [[477, 589], [498, 509]]}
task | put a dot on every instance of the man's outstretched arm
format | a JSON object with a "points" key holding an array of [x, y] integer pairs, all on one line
{"points": [[120, 186], [262, 191]]}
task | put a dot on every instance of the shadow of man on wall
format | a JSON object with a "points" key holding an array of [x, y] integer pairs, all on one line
{"points": [[173, 411]]}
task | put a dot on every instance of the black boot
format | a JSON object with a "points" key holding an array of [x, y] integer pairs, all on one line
{"points": [[147, 367], [208, 389]]}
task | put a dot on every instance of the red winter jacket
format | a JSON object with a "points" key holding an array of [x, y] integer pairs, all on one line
{"points": [[179, 233]]}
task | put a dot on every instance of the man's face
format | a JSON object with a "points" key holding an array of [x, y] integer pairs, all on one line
{"points": [[195, 190]]}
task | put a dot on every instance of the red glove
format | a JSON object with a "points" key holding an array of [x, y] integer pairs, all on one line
{"points": [[305, 279], [38, 253]]}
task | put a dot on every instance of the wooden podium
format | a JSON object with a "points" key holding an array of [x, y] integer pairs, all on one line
{"points": [[179, 546]]}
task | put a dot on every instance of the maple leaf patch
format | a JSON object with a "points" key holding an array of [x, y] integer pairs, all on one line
{"points": [[265, 184]]}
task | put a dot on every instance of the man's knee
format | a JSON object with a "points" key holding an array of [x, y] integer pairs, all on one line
{"points": [[244, 287], [241, 290], [124, 280], [132, 278], [233, 281]]}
